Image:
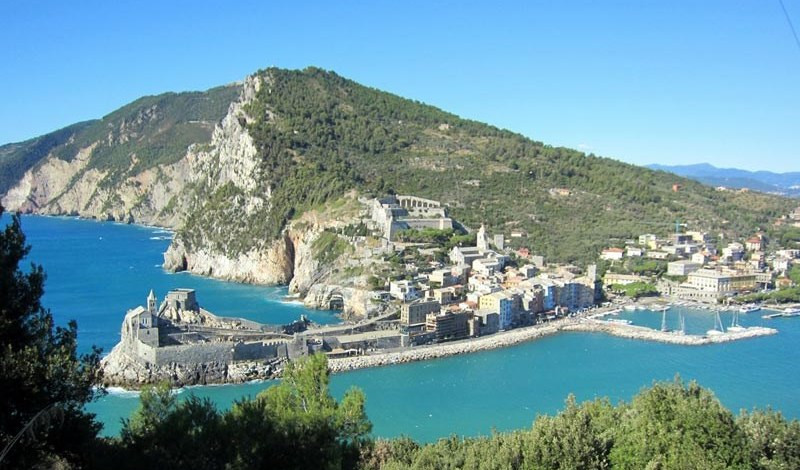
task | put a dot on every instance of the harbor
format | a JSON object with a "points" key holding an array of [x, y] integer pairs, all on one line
{"points": [[597, 321]]}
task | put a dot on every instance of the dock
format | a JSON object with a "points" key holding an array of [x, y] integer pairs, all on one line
{"points": [[672, 337]]}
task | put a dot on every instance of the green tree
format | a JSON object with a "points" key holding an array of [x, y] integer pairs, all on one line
{"points": [[581, 436], [773, 441], [43, 381], [167, 433], [296, 424], [320, 429], [675, 426]]}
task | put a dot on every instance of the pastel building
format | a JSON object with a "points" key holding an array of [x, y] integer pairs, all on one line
{"points": [[501, 303]]}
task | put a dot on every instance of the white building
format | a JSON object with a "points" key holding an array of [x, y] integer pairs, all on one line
{"points": [[403, 290], [634, 251], [612, 254], [682, 267]]}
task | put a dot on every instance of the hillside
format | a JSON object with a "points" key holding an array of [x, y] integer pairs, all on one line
{"points": [[787, 184], [318, 135], [248, 175], [150, 131]]}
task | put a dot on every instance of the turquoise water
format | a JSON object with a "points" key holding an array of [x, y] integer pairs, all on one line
{"points": [[465, 395], [97, 271]]}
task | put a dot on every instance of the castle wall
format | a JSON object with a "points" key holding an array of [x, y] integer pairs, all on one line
{"points": [[194, 353], [144, 352], [258, 350]]}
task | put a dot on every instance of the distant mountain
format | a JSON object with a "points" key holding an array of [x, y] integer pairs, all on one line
{"points": [[787, 184]]}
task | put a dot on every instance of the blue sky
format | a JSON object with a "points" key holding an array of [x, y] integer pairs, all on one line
{"points": [[667, 82]]}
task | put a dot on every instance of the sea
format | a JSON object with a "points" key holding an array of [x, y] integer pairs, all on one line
{"points": [[98, 270]]}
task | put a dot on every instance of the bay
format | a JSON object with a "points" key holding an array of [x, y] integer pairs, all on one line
{"points": [[98, 270]]}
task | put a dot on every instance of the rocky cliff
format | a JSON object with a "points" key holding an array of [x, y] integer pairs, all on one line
{"points": [[167, 194]]}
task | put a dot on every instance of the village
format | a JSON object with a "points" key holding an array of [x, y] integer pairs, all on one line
{"points": [[487, 288], [483, 295]]}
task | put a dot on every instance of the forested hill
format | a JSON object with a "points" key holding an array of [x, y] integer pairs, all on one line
{"points": [[319, 135]]}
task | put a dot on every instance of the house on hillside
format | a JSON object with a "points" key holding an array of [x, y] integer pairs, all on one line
{"points": [[612, 254]]}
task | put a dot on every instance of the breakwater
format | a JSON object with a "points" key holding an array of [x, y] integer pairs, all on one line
{"points": [[520, 335], [672, 337]]}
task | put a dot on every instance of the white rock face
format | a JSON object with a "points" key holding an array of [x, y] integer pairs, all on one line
{"points": [[266, 266], [166, 194], [356, 301]]}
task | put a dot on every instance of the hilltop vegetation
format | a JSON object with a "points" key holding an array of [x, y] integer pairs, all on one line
{"points": [[319, 135]]}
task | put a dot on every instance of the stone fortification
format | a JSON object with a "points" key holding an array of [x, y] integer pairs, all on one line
{"points": [[183, 344]]}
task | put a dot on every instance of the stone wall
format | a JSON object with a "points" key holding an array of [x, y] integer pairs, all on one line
{"points": [[194, 353], [259, 350]]}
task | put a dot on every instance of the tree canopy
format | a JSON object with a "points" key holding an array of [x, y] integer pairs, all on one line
{"points": [[43, 381]]}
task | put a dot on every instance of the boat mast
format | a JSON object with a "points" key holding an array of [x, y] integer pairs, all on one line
{"points": [[718, 323]]}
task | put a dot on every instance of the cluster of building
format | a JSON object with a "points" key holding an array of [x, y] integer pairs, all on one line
{"points": [[793, 218], [480, 294], [699, 270]]}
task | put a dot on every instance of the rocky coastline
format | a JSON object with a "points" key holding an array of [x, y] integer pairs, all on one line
{"points": [[119, 370]]}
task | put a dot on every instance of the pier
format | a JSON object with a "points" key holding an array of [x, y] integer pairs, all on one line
{"points": [[520, 335], [672, 337]]}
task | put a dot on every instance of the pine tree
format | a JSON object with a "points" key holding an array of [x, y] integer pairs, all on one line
{"points": [[43, 381]]}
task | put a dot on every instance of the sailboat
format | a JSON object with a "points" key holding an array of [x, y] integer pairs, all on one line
{"points": [[718, 328], [683, 323], [664, 319], [735, 326]]}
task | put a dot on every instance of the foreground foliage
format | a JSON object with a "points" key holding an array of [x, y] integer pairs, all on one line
{"points": [[295, 424], [668, 426], [43, 382]]}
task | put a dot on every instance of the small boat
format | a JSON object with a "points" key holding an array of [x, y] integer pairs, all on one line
{"points": [[749, 308], [618, 321], [791, 312], [772, 315], [630, 308]]}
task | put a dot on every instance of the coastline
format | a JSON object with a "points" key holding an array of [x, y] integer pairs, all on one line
{"points": [[586, 323]]}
